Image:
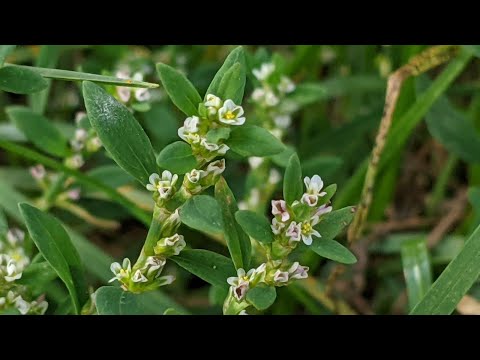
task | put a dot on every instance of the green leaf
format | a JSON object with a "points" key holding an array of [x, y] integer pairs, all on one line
{"points": [[473, 49], [202, 213], [416, 269], [11, 133], [332, 250], [215, 135], [250, 140], [80, 76], [3, 224], [207, 265], [262, 296], [39, 130], [56, 247], [20, 81], [181, 91], [330, 191], [5, 50], [255, 225], [452, 129], [236, 56], [454, 282], [333, 223], [282, 158], [292, 181], [237, 241], [177, 157], [120, 133], [111, 300], [232, 85]]}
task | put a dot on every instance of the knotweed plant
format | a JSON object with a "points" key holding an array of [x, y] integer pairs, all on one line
{"points": [[186, 184]]}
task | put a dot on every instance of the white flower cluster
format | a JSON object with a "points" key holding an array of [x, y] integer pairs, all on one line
{"points": [[170, 246], [125, 93], [149, 273], [13, 261], [215, 114], [84, 143], [240, 284], [197, 180], [164, 186], [274, 88], [284, 224]]}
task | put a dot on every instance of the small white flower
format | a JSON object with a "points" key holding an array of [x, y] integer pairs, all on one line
{"points": [[142, 94], [274, 177], [286, 85], [15, 236], [308, 231], [79, 116], [81, 135], [13, 273], [164, 185], [283, 121], [94, 144], [213, 101], [40, 307], [154, 264], [139, 277], [121, 271], [222, 149], [243, 312], [231, 114], [190, 126], [123, 93], [277, 133], [277, 226], [176, 242], [271, 99], [280, 277], [266, 69], [195, 175], [294, 231], [209, 146], [76, 145], [165, 280], [38, 172], [255, 161], [74, 194], [240, 283], [324, 209], [310, 200], [298, 271], [3, 300], [75, 162], [22, 305], [216, 167], [192, 138], [258, 275], [314, 185], [279, 207], [258, 95]]}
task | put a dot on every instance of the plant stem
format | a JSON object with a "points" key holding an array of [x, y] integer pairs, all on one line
{"points": [[85, 215], [113, 194], [438, 192], [55, 188]]}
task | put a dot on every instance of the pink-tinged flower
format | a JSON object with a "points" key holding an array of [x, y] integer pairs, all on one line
{"points": [[279, 207], [277, 226], [324, 209], [294, 231], [38, 172], [298, 271], [280, 277]]}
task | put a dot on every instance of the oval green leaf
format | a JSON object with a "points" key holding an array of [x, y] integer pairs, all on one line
{"points": [[237, 241], [39, 130], [202, 213], [333, 250], [292, 181], [250, 140], [56, 247], [111, 300], [207, 265], [236, 56], [255, 225], [20, 81], [3, 224], [333, 223], [232, 84], [177, 157], [181, 91], [262, 296], [120, 133]]}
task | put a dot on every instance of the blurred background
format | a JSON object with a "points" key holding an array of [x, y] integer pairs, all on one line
{"points": [[426, 201]]}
